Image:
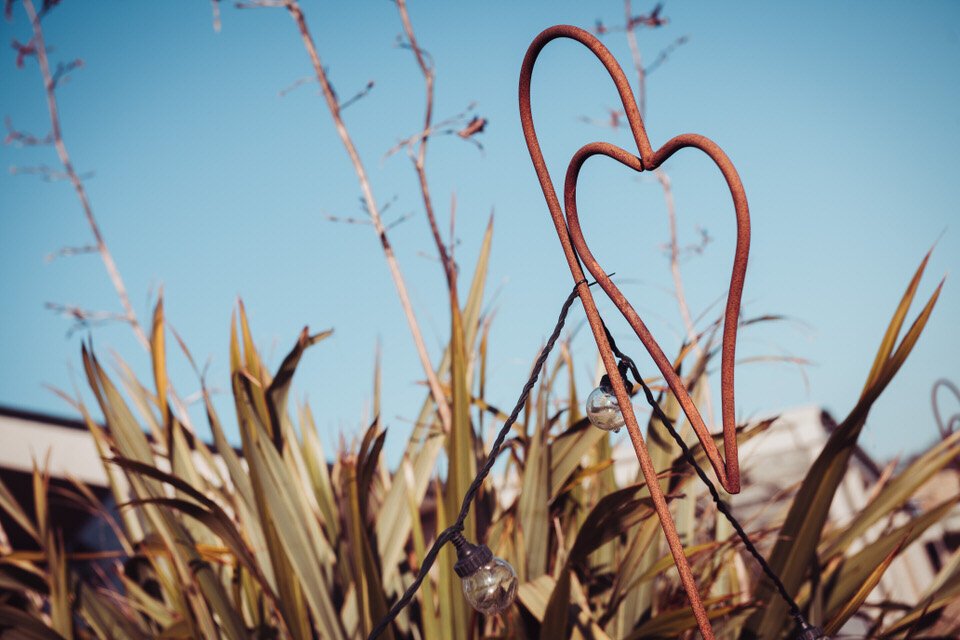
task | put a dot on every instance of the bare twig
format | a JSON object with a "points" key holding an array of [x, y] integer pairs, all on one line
{"points": [[614, 122], [294, 85], [456, 125], [62, 74], [215, 10], [399, 221], [665, 54], [71, 251], [23, 139], [327, 216], [24, 51], [358, 95], [635, 52], [419, 161], [293, 7], [655, 20], [50, 87], [83, 318], [48, 174], [674, 260]]}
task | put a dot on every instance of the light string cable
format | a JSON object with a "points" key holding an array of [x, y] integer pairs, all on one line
{"points": [[807, 630], [454, 530]]}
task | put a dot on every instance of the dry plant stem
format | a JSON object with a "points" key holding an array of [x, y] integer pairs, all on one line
{"points": [[49, 85], [436, 390], [419, 160], [675, 261], [664, 180], [678, 281], [637, 60]]}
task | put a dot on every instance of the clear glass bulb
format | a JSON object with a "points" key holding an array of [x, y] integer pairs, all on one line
{"points": [[603, 411], [491, 588]]}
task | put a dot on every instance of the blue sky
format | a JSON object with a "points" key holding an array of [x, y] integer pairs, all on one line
{"points": [[841, 118]]}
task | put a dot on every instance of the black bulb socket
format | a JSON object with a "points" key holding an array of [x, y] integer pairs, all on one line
{"points": [[470, 557], [810, 632]]}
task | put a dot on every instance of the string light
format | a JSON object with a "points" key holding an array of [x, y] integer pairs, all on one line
{"points": [[602, 408], [489, 583]]}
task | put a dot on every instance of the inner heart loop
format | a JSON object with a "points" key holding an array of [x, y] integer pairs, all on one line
{"points": [[727, 467]]}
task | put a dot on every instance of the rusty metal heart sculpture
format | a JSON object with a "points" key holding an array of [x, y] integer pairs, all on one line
{"points": [[576, 250]]}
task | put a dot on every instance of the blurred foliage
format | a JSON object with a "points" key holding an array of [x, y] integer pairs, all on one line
{"points": [[277, 541]]}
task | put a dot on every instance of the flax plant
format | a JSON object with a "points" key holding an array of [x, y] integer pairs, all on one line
{"points": [[275, 540], [282, 539]]}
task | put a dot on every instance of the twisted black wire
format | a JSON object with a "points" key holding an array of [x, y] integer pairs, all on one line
{"points": [[722, 506], [453, 530]]}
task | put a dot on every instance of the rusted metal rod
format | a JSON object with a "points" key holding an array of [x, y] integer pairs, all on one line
{"points": [[575, 249]]}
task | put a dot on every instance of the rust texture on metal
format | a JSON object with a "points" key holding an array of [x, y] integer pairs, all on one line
{"points": [[575, 249]]}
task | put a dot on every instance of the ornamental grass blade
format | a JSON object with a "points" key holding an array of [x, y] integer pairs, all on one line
{"points": [[425, 444], [252, 366], [184, 466], [471, 325], [946, 595], [238, 475], [293, 609], [140, 600], [447, 592], [893, 495], [854, 571], [796, 545], [106, 621], [567, 450], [25, 625], [614, 513], [461, 457], [429, 617], [896, 323], [372, 602], [949, 571], [127, 434], [533, 509], [9, 504], [535, 594], [661, 445], [319, 473], [558, 608], [141, 398], [854, 603], [22, 576], [61, 595], [673, 624], [295, 531], [632, 597], [204, 510], [667, 562], [158, 354], [279, 389]]}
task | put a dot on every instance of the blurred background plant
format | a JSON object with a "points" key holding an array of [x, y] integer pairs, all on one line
{"points": [[277, 540]]}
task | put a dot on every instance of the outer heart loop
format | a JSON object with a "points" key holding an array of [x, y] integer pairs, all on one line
{"points": [[569, 227]]}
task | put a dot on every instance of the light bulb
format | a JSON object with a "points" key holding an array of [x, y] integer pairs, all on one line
{"points": [[489, 583], [603, 411], [492, 588]]}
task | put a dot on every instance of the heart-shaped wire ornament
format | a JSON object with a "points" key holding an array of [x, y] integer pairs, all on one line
{"points": [[576, 250]]}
